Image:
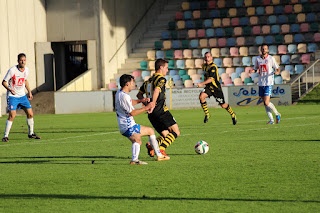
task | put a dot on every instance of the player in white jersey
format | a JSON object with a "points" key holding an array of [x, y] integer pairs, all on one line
{"points": [[127, 126], [15, 82], [265, 65]]}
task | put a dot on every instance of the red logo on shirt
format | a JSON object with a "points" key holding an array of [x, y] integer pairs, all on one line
{"points": [[20, 82], [263, 68]]}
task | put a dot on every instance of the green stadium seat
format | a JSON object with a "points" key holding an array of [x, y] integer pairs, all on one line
{"points": [[143, 65], [169, 54], [186, 77], [172, 25], [158, 45], [171, 64], [182, 72], [247, 80]]}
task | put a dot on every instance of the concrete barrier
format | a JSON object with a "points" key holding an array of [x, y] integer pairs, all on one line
{"points": [[83, 102]]}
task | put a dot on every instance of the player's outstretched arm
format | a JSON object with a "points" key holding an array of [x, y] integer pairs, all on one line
{"points": [[143, 100], [142, 110]]}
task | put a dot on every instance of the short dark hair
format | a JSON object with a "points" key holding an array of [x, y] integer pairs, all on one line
{"points": [[264, 44], [160, 62], [207, 53], [124, 79], [21, 55]]}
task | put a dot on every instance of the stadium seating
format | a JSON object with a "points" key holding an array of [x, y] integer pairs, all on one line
{"points": [[237, 82], [285, 74], [247, 81], [233, 31], [113, 86], [254, 75], [227, 81], [278, 79], [143, 65], [136, 74]]}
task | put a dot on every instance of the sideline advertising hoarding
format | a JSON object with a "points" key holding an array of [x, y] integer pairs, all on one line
{"points": [[249, 95]]}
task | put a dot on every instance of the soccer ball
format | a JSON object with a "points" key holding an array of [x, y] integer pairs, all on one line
{"points": [[201, 147]]}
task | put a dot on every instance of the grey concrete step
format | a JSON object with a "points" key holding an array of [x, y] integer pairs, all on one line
{"points": [[168, 16], [145, 45], [150, 40], [138, 55], [133, 65], [121, 72], [134, 59], [158, 27], [156, 35], [142, 50], [172, 7]]}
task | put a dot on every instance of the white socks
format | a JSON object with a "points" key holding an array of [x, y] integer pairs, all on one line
{"points": [[269, 113], [30, 123], [135, 149], [273, 108], [7, 129], [154, 143]]}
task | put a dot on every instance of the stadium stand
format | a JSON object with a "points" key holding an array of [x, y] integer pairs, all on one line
{"points": [[233, 32]]}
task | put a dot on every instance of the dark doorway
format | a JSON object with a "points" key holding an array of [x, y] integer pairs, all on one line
{"points": [[70, 61]]}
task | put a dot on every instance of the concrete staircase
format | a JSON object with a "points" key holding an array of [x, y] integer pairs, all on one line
{"points": [[153, 34]]}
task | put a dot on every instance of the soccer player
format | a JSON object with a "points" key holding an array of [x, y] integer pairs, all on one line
{"points": [[160, 117], [127, 125], [15, 82], [264, 65], [212, 88]]}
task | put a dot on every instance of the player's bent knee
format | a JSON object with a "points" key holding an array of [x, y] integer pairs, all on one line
{"points": [[202, 97], [175, 132], [224, 105]]}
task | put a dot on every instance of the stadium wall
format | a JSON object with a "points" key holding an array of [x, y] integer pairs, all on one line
{"points": [[116, 26], [22, 23], [187, 98], [123, 23]]}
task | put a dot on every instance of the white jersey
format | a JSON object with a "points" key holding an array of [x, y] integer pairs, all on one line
{"points": [[265, 69], [123, 105], [16, 81]]}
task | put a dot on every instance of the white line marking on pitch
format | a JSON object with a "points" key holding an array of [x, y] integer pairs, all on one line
{"points": [[117, 132], [245, 130]]}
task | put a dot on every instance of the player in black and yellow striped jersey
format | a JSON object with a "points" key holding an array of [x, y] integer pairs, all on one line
{"points": [[160, 117], [212, 88]]}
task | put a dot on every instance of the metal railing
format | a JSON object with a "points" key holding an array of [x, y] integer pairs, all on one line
{"points": [[305, 87]]}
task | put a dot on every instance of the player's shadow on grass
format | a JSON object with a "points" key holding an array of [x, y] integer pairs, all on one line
{"points": [[71, 159], [182, 154], [65, 196], [64, 131]]}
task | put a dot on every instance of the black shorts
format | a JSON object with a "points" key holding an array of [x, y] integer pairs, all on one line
{"points": [[217, 94], [162, 121]]}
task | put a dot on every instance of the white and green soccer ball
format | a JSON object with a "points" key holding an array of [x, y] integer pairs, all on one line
{"points": [[201, 147]]}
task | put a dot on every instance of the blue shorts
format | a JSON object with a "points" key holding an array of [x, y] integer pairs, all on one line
{"points": [[132, 130], [265, 91], [18, 103]]}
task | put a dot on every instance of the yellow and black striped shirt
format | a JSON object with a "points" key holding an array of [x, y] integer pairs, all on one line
{"points": [[156, 81], [211, 71]]}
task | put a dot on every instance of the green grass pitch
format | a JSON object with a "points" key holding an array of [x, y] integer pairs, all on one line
{"points": [[250, 167]]}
